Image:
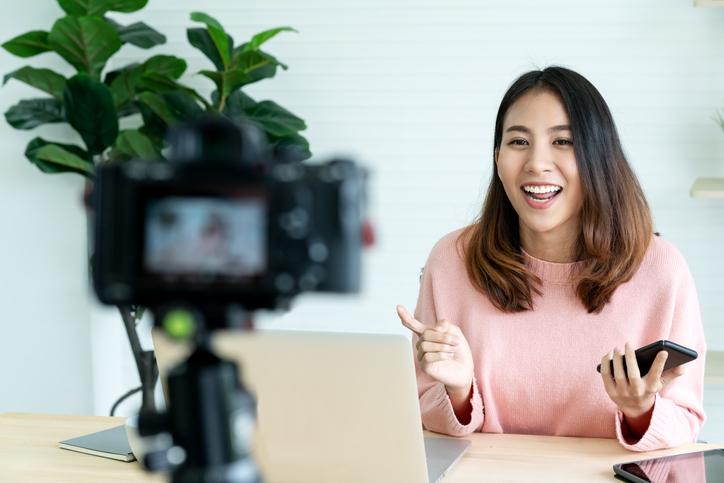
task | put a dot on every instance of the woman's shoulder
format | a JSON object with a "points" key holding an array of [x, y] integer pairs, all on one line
{"points": [[449, 247], [663, 256]]}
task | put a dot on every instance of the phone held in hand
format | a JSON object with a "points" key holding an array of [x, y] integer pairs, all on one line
{"points": [[678, 354]]}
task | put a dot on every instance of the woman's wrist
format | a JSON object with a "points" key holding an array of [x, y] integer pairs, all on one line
{"points": [[638, 412], [459, 393], [460, 401], [637, 420]]}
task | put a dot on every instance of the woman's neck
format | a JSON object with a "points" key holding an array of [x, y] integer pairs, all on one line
{"points": [[552, 246]]}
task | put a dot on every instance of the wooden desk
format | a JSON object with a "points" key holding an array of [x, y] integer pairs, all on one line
{"points": [[29, 452]]}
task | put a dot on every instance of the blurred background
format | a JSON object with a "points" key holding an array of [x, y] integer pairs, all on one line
{"points": [[408, 88]]}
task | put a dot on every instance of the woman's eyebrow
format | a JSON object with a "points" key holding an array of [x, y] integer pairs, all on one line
{"points": [[518, 128], [560, 127]]}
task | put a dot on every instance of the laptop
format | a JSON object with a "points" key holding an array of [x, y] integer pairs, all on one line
{"points": [[332, 407]]}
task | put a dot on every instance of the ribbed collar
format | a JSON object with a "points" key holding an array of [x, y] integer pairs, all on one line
{"points": [[553, 272]]}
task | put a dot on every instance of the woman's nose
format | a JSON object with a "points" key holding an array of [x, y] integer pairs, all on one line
{"points": [[540, 159]]}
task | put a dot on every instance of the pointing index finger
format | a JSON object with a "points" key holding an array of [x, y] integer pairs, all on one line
{"points": [[409, 321]]}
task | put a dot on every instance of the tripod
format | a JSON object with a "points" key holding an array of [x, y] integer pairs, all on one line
{"points": [[210, 416]]}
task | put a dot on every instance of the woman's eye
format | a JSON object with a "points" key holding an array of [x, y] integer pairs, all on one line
{"points": [[518, 142], [563, 142]]}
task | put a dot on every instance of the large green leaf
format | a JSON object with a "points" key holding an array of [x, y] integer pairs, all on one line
{"points": [[182, 105], [157, 74], [57, 155], [201, 39], [90, 109], [218, 36], [236, 104], [83, 7], [157, 104], [127, 6], [153, 126], [216, 78], [99, 7], [71, 159], [44, 79], [250, 59], [85, 42], [111, 75], [206, 19], [138, 34], [155, 82], [123, 86], [275, 120], [30, 113], [292, 148], [258, 39], [158, 83], [166, 65], [257, 65], [227, 81], [135, 144], [28, 44]]}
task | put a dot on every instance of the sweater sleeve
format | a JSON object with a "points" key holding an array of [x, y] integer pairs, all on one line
{"points": [[435, 406], [678, 409]]}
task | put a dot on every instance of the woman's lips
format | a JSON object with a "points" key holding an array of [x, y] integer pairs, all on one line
{"points": [[543, 204]]}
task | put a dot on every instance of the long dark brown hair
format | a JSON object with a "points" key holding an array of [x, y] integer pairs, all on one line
{"points": [[616, 225]]}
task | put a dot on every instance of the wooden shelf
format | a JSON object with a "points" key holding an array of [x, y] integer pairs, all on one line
{"points": [[714, 372], [709, 3], [708, 187]]}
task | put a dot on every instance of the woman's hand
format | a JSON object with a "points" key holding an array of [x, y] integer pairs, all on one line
{"points": [[443, 353], [635, 395]]}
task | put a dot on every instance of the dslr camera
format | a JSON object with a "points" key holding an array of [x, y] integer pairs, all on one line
{"points": [[226, 220]]}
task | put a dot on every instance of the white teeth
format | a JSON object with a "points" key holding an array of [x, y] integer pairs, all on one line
{"points": [[541, 189]]}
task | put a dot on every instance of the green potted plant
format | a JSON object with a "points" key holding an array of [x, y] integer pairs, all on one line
{"points": [[93, 100]]}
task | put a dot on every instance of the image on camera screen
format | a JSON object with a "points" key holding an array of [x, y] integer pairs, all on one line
{"points": [[205, 237]]}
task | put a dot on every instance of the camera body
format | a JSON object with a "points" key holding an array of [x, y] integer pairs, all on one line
{"points": [[225, 221]]}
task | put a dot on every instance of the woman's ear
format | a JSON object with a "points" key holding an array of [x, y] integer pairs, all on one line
{"points": [[495, 156]]}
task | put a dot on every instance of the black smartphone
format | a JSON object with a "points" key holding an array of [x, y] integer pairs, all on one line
{"points": [[678, 354]]}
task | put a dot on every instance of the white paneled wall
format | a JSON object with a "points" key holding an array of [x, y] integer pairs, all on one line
{"points": [[411, 89], [45, 344]]}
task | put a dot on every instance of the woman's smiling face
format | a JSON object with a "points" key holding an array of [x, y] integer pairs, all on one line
{"points": [[537, 165]]}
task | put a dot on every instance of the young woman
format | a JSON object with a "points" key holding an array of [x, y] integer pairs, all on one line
{"points": [[560, 272]]}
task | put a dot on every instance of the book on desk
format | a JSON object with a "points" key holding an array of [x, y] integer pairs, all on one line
{"points": [[109, 443]]}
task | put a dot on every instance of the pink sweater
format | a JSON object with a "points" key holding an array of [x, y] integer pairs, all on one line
{"points": [[535, 371]]}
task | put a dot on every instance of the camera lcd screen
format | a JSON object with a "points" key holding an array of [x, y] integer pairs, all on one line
{"points": [[199, 239]]}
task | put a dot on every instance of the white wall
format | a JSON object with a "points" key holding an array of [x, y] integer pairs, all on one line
{"points": [[45, 342], [411, 89]]}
